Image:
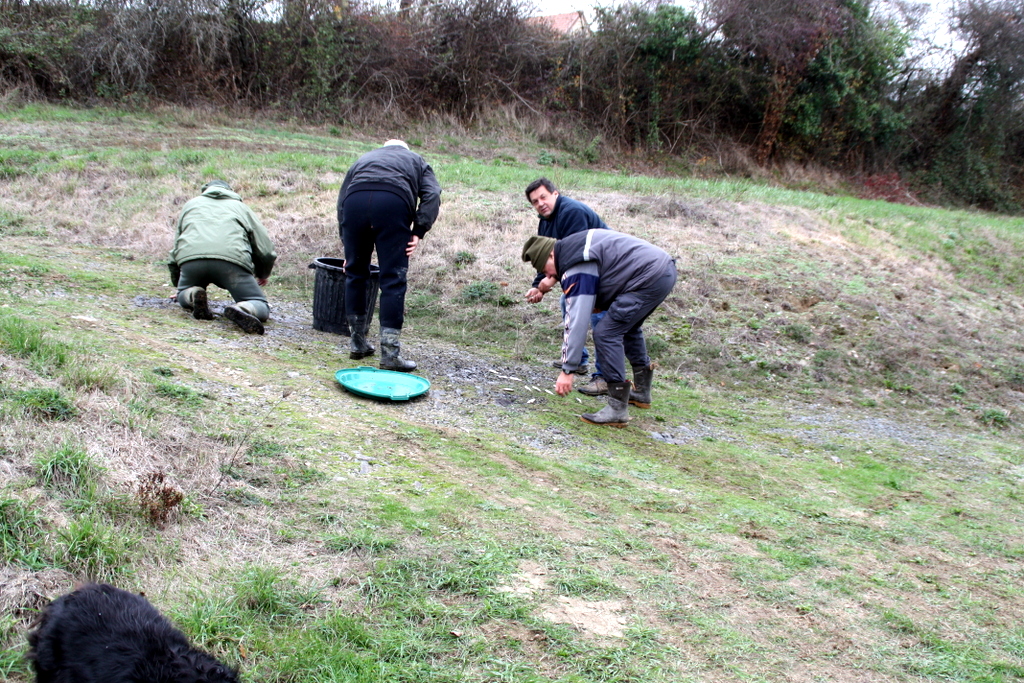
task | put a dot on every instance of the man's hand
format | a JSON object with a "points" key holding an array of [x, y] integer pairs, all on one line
{"points": [[546, 284], [534, 296], [564, 384], [261, 281], [413, 243]]}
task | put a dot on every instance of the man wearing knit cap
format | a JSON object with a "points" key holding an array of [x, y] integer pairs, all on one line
{"points": [[559, 216], [389, 200], [628, 278], [220, 241]]}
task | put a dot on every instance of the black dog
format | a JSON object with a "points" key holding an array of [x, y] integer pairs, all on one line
{"points": [[101, 634]]}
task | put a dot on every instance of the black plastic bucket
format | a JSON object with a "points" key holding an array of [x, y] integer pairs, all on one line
{"points": [[329, 295]]}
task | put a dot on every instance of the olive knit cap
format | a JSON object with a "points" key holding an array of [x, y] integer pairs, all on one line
{"points": [[215, 183], [537, 250]]}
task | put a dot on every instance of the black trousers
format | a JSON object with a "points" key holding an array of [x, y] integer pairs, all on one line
{"points": [[376, 218]]}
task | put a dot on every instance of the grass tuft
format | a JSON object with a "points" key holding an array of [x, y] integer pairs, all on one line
{"points": [[359, 540], [25, 340], [266, 592], [22, 535], [91, 377], [43, 403], [92, 548], [995, 417], [179, 392], [68, 470], [586, 583]]}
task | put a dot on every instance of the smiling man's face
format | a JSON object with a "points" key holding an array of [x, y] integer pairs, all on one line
{"points": [[543, 200]]}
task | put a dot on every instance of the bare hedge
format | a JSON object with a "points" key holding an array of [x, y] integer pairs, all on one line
{"points": [[649, 76]]}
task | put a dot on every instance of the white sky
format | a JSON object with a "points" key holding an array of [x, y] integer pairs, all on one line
{"points": [[936, 8], [934, 38]]}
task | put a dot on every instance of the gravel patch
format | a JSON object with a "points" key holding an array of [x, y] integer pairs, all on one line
{"points": [[473, 391], [470, 390], [820, 425]]}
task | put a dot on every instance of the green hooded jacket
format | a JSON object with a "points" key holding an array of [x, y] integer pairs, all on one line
{"points": [[218, 225]]}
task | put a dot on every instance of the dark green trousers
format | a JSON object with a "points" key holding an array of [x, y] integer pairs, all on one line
{"points": [[237, 280]]}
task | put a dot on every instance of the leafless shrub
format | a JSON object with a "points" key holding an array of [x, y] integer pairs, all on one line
{"points": [[482, 52], [324, 58], [994, 33], [157, 498], [120, 49], [787, 35], [35, 48], [636, 78]]}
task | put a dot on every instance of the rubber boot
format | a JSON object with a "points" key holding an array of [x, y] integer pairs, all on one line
{"points": [[390, 349], [616, 411], [242, 315], [596, 387], [640, 395], [580, 370], [358, 347], [194, 299], [256, 308]]}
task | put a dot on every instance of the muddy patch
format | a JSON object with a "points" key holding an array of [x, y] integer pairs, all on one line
{"points": [[600, 618]]}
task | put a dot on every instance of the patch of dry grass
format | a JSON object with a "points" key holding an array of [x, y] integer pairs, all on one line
{"points": [[897, 320]]}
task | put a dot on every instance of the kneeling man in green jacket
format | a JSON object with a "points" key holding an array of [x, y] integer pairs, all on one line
{"points": [[220, 241]]}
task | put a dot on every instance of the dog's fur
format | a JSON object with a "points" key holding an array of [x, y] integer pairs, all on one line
{"points": [[101, 634]]}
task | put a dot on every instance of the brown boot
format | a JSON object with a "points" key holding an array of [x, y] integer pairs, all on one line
{"points": [[596, 387], [581, 370]]}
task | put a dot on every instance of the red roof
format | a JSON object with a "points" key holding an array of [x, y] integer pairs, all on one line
{"points": [[567, 23]]}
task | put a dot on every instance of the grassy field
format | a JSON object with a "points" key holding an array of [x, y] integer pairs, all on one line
{"points": [[828, 486]]}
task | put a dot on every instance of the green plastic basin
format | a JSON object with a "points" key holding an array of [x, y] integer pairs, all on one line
{"points": [[384, 384]]}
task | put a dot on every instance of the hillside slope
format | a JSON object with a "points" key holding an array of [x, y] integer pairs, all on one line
{"points": [[827, 486]]}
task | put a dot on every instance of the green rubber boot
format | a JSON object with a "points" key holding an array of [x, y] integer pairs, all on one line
{"points": [[244, 315], [616, 411], [194, 299], [390, 350], [358, 347], [640, 396]]}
